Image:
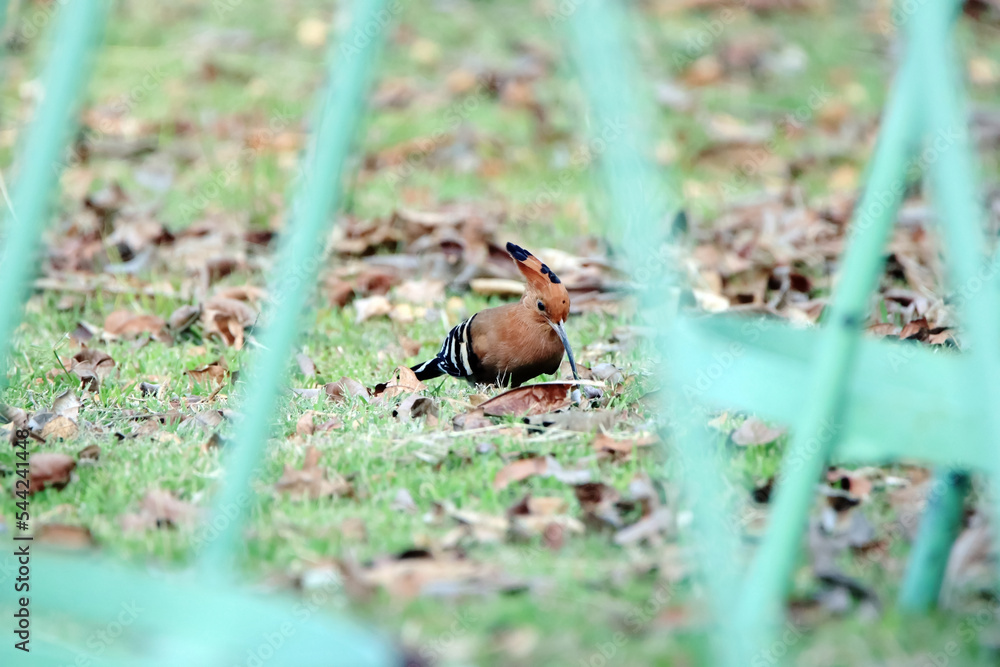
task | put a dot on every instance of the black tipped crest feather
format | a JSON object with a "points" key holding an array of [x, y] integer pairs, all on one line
{"points": [[517, 252], [522, 255]]}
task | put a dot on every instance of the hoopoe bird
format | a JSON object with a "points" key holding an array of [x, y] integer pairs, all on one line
{"points": [[513, 343]]}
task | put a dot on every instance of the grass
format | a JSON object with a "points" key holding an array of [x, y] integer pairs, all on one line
{"points": [[579, 597]]}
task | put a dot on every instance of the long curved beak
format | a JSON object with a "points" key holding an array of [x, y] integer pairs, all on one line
{"points": [[565, 341]]}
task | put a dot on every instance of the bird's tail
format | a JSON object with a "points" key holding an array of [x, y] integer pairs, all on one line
{"points": [[429, 369]]}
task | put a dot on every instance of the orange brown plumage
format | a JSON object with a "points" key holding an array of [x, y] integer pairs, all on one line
{"points": [[513, 343]]}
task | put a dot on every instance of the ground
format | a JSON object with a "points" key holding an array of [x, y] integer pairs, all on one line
{"points": [[194, 120]]}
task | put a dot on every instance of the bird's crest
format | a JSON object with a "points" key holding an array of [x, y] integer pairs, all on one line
{"points": [[543, 283]]}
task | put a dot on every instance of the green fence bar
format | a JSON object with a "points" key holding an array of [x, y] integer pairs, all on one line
{"points": [[815, 435], [338, 118], [938, 529], [955, 189], [76, 31], [643, 202]]}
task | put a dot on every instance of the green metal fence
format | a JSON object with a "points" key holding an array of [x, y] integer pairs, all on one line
{"points": [[833, 385]]}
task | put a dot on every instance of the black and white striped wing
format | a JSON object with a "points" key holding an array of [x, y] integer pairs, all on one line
{"points": [[456, 357]]}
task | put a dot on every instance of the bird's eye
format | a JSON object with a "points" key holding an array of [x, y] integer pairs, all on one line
{"points": [[541, 306]]}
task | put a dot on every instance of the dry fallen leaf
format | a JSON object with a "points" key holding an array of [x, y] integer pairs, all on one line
{"points": [[305, 426], [64, 536], [312, 481], [339, 391], [160, 509], [89, 453], [404, 381], [92, 367], [755, 432], [59, 428], [470, 420], [518, 470], [213, 374], [47, 469], [67, 405], [532, 399], [544, 466], [227, 318], [599, 503], [619, 450], [372, 306], [126, 324], [414, 406], [183, 318]]}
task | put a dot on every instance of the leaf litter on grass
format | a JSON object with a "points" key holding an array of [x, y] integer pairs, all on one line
{"points": [[771, 251]]}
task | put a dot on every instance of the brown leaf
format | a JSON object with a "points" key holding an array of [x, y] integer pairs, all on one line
{"points": [[339, 391], [538, 506], [519, 470], [915, 330], [537, 465], [92, 367], [619, 450], [60, 428], [183, 318], [249, 293], [67, 405], [227, 319], [49, 469], [64, 536], [160, 509], [421, 292], [414, 406], [581, 421], [533, 399], [213, 374], [470, 420], [126, 324], [89, 453], [417, 572], [753, 431], [599, 503], [404, 381], [305, 426], [661, 520], [372, 306], [312, 481], [972, 558], [883, 329]]}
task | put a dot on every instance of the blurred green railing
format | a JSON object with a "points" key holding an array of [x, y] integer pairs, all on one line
{"points": [[831, 384], [847, 397], [203, 618]]}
